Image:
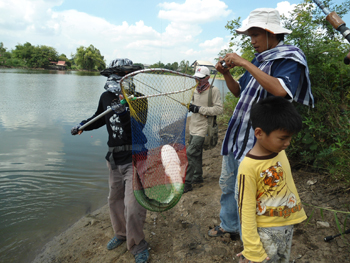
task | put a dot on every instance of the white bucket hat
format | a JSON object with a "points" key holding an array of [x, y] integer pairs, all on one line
{"points": [[265, 18]]}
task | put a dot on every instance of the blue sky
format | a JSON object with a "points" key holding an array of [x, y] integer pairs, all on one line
{"points": [[145, 31]]}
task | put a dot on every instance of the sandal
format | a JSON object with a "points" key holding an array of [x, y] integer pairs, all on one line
{"points": [[187, 188], [142, 257], [114, 243], [217, 231]]}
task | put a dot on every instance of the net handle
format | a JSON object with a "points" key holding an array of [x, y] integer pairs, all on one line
{"points": [[95, 119]]}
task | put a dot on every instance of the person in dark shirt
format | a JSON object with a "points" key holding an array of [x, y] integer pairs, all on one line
{"points": [[127, 215]]}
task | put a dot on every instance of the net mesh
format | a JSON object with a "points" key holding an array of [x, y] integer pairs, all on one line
{"points": [[158, 100]]}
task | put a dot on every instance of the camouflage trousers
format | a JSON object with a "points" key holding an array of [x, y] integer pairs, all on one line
{"points": [[194, 153], [277, 242]]}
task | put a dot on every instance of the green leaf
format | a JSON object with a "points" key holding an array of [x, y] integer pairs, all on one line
{"points": [[313, 147], [307, 139], [337, 222], [345, 221], [312, 213]]}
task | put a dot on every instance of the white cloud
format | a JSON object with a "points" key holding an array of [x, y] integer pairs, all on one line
{"points": [[19, 14], [212, 43], [208, 50], [194, 11], [35, 22], [285, 7]]}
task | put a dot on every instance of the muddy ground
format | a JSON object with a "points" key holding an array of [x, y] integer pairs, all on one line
{"points": [[180, 234]]}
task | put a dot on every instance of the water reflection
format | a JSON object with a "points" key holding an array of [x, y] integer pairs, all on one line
{"points": [[48, 178], [85, 73]]}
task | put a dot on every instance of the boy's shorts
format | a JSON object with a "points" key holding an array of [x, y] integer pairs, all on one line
{"points": [[277, 242]]}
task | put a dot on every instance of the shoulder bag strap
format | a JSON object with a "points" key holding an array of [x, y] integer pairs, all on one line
{"points": [[211, 119], [210, 97]]}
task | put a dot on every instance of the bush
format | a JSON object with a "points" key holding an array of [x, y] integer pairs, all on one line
{"points": [[324, 142], [230, 103]]}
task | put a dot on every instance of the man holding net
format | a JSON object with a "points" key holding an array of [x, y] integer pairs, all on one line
{"points": [[127, 215], [199, 124], [277, 70]]}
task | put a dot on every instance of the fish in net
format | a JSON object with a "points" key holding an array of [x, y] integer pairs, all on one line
{"points": [[158, 100]]}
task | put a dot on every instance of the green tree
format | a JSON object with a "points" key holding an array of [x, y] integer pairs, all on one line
{"points": [[5, 56], [35, 56], [42, 56], [159, 64], [2, 49], [184, 67], [168, 66], [174, 66], [89, 58], [23, 52]]}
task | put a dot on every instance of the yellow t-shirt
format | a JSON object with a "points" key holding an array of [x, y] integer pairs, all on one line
{"points": [[267, 197]]}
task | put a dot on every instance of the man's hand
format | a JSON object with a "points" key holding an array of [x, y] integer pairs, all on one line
{"points": [[117, 107], [232, 60], [222, 69], [193, 108], [75, 130]]}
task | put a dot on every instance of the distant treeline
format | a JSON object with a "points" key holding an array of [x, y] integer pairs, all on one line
{"points": [[85, 58], [29, 56]]}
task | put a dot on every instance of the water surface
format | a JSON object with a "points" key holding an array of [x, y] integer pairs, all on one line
{"points": [[48, 178]]}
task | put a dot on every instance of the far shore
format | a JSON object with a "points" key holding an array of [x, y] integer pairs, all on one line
{"points": [[211, 76]]}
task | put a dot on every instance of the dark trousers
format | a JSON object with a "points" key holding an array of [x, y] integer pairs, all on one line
{"points": [[194, 156]]}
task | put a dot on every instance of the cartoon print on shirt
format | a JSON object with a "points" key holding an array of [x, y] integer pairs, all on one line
{"points": [[273, 182], [116, 126]]}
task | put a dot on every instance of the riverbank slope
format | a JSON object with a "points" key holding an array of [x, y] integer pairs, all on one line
{"points": [[180, 234]]}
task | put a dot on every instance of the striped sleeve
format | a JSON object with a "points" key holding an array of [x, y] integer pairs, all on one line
{"points": [[247, 188]]}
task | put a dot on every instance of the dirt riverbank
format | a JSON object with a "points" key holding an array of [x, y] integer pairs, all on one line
{"points": [[180, 234]]}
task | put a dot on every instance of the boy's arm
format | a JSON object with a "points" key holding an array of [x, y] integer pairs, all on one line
{"points": [[253, 248]]}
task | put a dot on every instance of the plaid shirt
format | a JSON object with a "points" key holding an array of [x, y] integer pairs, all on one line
{"points": [[239, 137]]}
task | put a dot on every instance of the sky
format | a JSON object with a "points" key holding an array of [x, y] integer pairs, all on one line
{"points": [[145, 31]]}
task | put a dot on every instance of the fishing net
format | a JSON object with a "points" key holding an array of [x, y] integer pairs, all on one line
{"points": [[158, 100]]}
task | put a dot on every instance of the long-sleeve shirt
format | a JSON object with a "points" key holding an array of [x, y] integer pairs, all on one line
{"points": [[118, 127], [199, 123], [287, 64], [267, 197]]}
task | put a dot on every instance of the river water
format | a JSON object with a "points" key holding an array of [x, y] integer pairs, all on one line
{"points": [[49, 179]]}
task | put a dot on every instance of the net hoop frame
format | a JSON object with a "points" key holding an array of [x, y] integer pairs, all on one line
{"points": [[150, 70], [159, 94], [140, 195]]}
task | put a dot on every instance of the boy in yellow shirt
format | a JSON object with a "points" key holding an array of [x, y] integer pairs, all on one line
{"points": [[268, 201]]}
